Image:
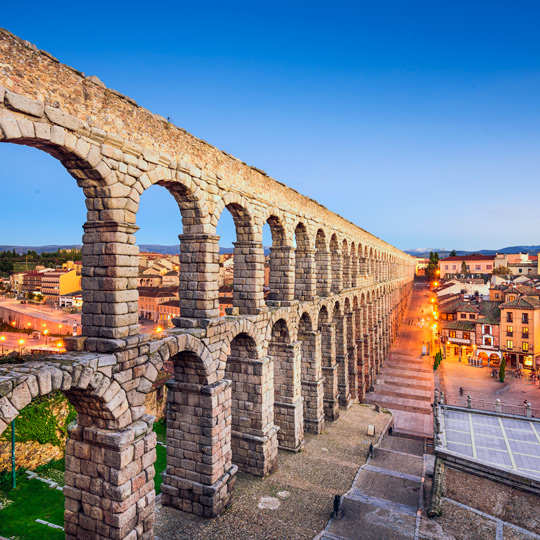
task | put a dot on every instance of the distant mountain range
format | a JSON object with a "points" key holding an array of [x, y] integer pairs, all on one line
{"points": [[424, 252], [153, 248]]}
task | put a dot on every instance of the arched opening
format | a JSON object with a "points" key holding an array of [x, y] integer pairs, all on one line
{"points": [[160, 254], [351, 351], [329, 366], [252, 418], [279, 272], [288, 406], [247, 262], [312, 390], [322, 263], [354, 266], [341, 356], [197, 412], [337, 274], [304, 265], [345, 265], [359, 342]]}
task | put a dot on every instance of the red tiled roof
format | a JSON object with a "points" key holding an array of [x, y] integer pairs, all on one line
{"points": [[470, 258]]}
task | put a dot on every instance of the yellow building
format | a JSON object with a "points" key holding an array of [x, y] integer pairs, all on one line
{"points": [[520, 331], [59, 282]]}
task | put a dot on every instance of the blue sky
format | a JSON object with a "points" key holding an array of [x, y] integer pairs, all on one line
{"points": [[419, 121]]}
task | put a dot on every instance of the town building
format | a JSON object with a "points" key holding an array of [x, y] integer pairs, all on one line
{"points": [[520, 318], [150, 299], [518, 263], [421, 265], [58, 283], [475, 264]]}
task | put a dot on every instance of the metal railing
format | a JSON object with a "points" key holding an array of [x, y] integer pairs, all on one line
{"points": [[525, 409]]}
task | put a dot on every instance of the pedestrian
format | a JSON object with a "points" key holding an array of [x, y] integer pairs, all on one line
{"points": [[370, 452], [337, 503], [461, 391], [390, 430]]}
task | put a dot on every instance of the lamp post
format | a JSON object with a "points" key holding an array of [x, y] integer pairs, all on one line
{"points": [[21, 343], [13, 470], [2, 339]]}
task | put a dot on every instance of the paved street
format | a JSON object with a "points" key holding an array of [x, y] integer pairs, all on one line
{"points": [[405, 385], [484, 389]]}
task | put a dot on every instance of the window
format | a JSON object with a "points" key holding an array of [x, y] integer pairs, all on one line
{"points": [[468, 268], [487, 341], [452, 333], [454, 267], [525, 332], [525, 318], [446, 267], [510, 331], [509, 317], [496, 295], [466, 335], [472, 316], [525, 347], [489, 266], [487, 329], [477, 267], [511, 297], [463, 315], [521, 270], [509, 344], [451, 317]]}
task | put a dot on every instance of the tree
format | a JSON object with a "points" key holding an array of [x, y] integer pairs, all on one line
{"points": [[437, 360], [453, 253], [502, 271], [502, 369], [431, 271], [464, 269]]}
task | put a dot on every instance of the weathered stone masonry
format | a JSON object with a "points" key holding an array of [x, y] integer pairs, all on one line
{"points": [[244, 384]]}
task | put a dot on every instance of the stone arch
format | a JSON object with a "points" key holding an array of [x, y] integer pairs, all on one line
{"points": [[240, 326], [311, 374], [304, 265], [322, 264], [288, 403], [281, 266], [248, 279], [110, 217], [337, 270], [187, 194], [345, 264], [55, 133], [327, 328], [253, 435], [354, 265]]}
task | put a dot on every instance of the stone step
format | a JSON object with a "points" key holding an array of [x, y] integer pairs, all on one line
{"points": [[426, 396], [399, 407]]}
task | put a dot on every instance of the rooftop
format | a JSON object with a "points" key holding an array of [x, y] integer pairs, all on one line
{"points": [[500, 441]]}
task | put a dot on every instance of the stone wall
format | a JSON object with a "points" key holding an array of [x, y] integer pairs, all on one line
{"points": [[243, 384]]}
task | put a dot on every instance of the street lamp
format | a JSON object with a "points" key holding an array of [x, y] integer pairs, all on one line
{"points": [[2, 339], [21, 343], [45, 333]]}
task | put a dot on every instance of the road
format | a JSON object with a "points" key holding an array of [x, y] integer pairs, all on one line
{"points": [[405, 385]]}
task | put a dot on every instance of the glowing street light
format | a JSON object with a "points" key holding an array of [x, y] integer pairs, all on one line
{"points": [[2, 339], [21, 343], [159, 329]]}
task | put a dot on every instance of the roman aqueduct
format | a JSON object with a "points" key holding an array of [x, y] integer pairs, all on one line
{"points": [[245, 384]]}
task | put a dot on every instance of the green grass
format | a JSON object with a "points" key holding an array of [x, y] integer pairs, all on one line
{"points": [[160, 427], [32, 499], [160, 465]]}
